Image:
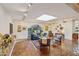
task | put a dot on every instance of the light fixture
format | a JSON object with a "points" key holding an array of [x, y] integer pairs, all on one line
{"points": [[25, 14], [27, 8], [29, 4], [46, 17]]}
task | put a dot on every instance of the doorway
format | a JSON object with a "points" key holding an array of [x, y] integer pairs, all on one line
{"points": [[11, 28]]}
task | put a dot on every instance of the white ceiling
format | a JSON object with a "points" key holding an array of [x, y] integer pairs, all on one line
{"points": [[59, 10]]}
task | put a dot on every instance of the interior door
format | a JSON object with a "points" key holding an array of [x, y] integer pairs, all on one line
{"points": [[11, 28]]}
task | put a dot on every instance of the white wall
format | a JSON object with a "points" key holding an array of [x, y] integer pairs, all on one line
{"points": [[4, 21], [68, 30], [23, 34]]}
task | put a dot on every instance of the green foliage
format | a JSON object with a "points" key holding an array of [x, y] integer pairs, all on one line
{"points": [[6, 41]]}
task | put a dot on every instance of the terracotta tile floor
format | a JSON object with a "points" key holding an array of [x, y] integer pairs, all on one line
{"points": [[26, 48]]}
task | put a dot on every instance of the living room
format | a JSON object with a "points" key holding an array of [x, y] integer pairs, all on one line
{"points": [[30, 26]]}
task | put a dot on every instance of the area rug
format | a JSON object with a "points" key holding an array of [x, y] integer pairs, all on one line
{"points": [[36, 43]]}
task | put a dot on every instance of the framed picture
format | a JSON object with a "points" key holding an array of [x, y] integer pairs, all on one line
{"points": [[46, 28], [19, 29], [24, 28]]}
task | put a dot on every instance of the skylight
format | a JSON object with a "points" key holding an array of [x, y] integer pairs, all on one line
{"points": [[46, 18]]}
